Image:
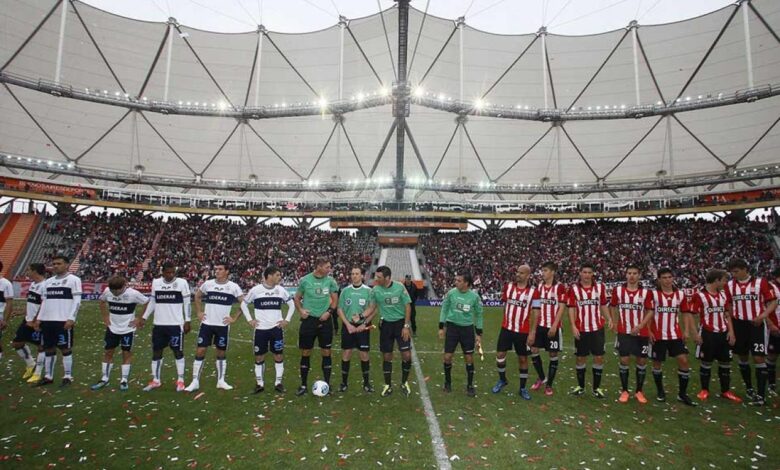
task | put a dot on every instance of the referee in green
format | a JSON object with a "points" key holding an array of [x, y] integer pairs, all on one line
{"points": [[460, 317], [392, 301]]}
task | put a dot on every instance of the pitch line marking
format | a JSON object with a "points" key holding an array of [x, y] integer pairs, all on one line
{"points": [[439, 450]]}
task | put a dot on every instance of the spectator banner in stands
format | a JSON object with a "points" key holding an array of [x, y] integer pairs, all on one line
{"points": [[46, 188]]}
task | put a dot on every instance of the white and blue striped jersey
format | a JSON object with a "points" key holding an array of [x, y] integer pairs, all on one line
{"points": [[121, 309], [219, 299], [167, 302], [6, 294], [34, 298], [61, 298], [268, 305]]}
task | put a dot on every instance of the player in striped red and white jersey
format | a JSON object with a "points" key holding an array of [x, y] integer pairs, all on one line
{"points": [[666, 336], [588, 309], [552, 303], [773, 348], [752, 302], [712, 304], [632, 311], [517, 331]]}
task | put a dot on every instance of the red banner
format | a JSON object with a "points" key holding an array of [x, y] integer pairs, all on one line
{"points": [[47, 188]]}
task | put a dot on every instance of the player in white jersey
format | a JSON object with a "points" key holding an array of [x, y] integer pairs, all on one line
{"points": [[752, 303], [170, 296], [26, 333], [219, 295], [118, 304], [56, 317], [6, 304], [267, 299]]}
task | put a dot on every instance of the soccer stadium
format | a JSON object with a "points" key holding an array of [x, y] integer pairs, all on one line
{"points": [[549, 228]]}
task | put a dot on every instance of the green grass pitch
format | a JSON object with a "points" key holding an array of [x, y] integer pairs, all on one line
{"points": [[53, 428]]}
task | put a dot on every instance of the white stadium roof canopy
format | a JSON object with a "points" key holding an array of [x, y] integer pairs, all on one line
{"points": [[91, 96]]}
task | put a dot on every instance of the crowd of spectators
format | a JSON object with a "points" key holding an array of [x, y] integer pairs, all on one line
{"points": [[689, 247]]}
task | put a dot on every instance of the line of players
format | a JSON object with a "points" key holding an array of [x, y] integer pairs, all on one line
{"points": [[733, 316]]}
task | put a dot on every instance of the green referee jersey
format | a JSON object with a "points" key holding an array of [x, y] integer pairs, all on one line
{"points": [[462, 308], [354, 300], [391, 301], [316, 293]]}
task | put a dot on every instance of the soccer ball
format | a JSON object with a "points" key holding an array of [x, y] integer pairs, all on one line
{"points": [[320, 388]]}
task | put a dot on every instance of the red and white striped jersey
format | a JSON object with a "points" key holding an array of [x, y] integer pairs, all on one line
{"points": [[775, 317], [711, 309], [519, 302], [631, 307], [667, 312], [588, 301], [549, 300], [749, 297]]}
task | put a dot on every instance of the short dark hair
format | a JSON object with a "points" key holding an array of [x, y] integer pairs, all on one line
{"points": [[467, 277], [321, 260], [737, 263], [776, 272], [117, 282], [550, 265], [384, 270], [168, 265], [633, 266], [362, 269], [270, 271], [64, 258], [38, 268], [1, 265], [586, 265], [665, 270], [714, 275], [223, 264]]}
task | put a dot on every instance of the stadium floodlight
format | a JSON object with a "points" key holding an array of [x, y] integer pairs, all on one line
{"points": [[419, 92], [360, 96], [322, 102], [384, 91], [479, 104]]}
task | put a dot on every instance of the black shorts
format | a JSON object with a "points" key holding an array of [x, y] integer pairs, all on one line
{"points": [[750, 338], [773, 346], [167, 336], [54, 334], [591, 343], [112, 340], [312, 328], [27, 334], [458, 334], [508, 340], [390, 332], [631, 345], [211, 334], [361, 341], [543, 341], [714, 347], [671, 347], [272, 339]]}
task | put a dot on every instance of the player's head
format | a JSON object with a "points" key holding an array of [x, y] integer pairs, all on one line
{"points": [[776, 274], [221, 271], [116, 285], [168, 271], [523, 273], [272, 276], [632, 274], [665, 279], [382, 276], [356, 275], [739, 268], [59, 264], [716, 278], [322, 266], [587, 271], [548, 271], [36, 270], [407, 279], [463, 281]]}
